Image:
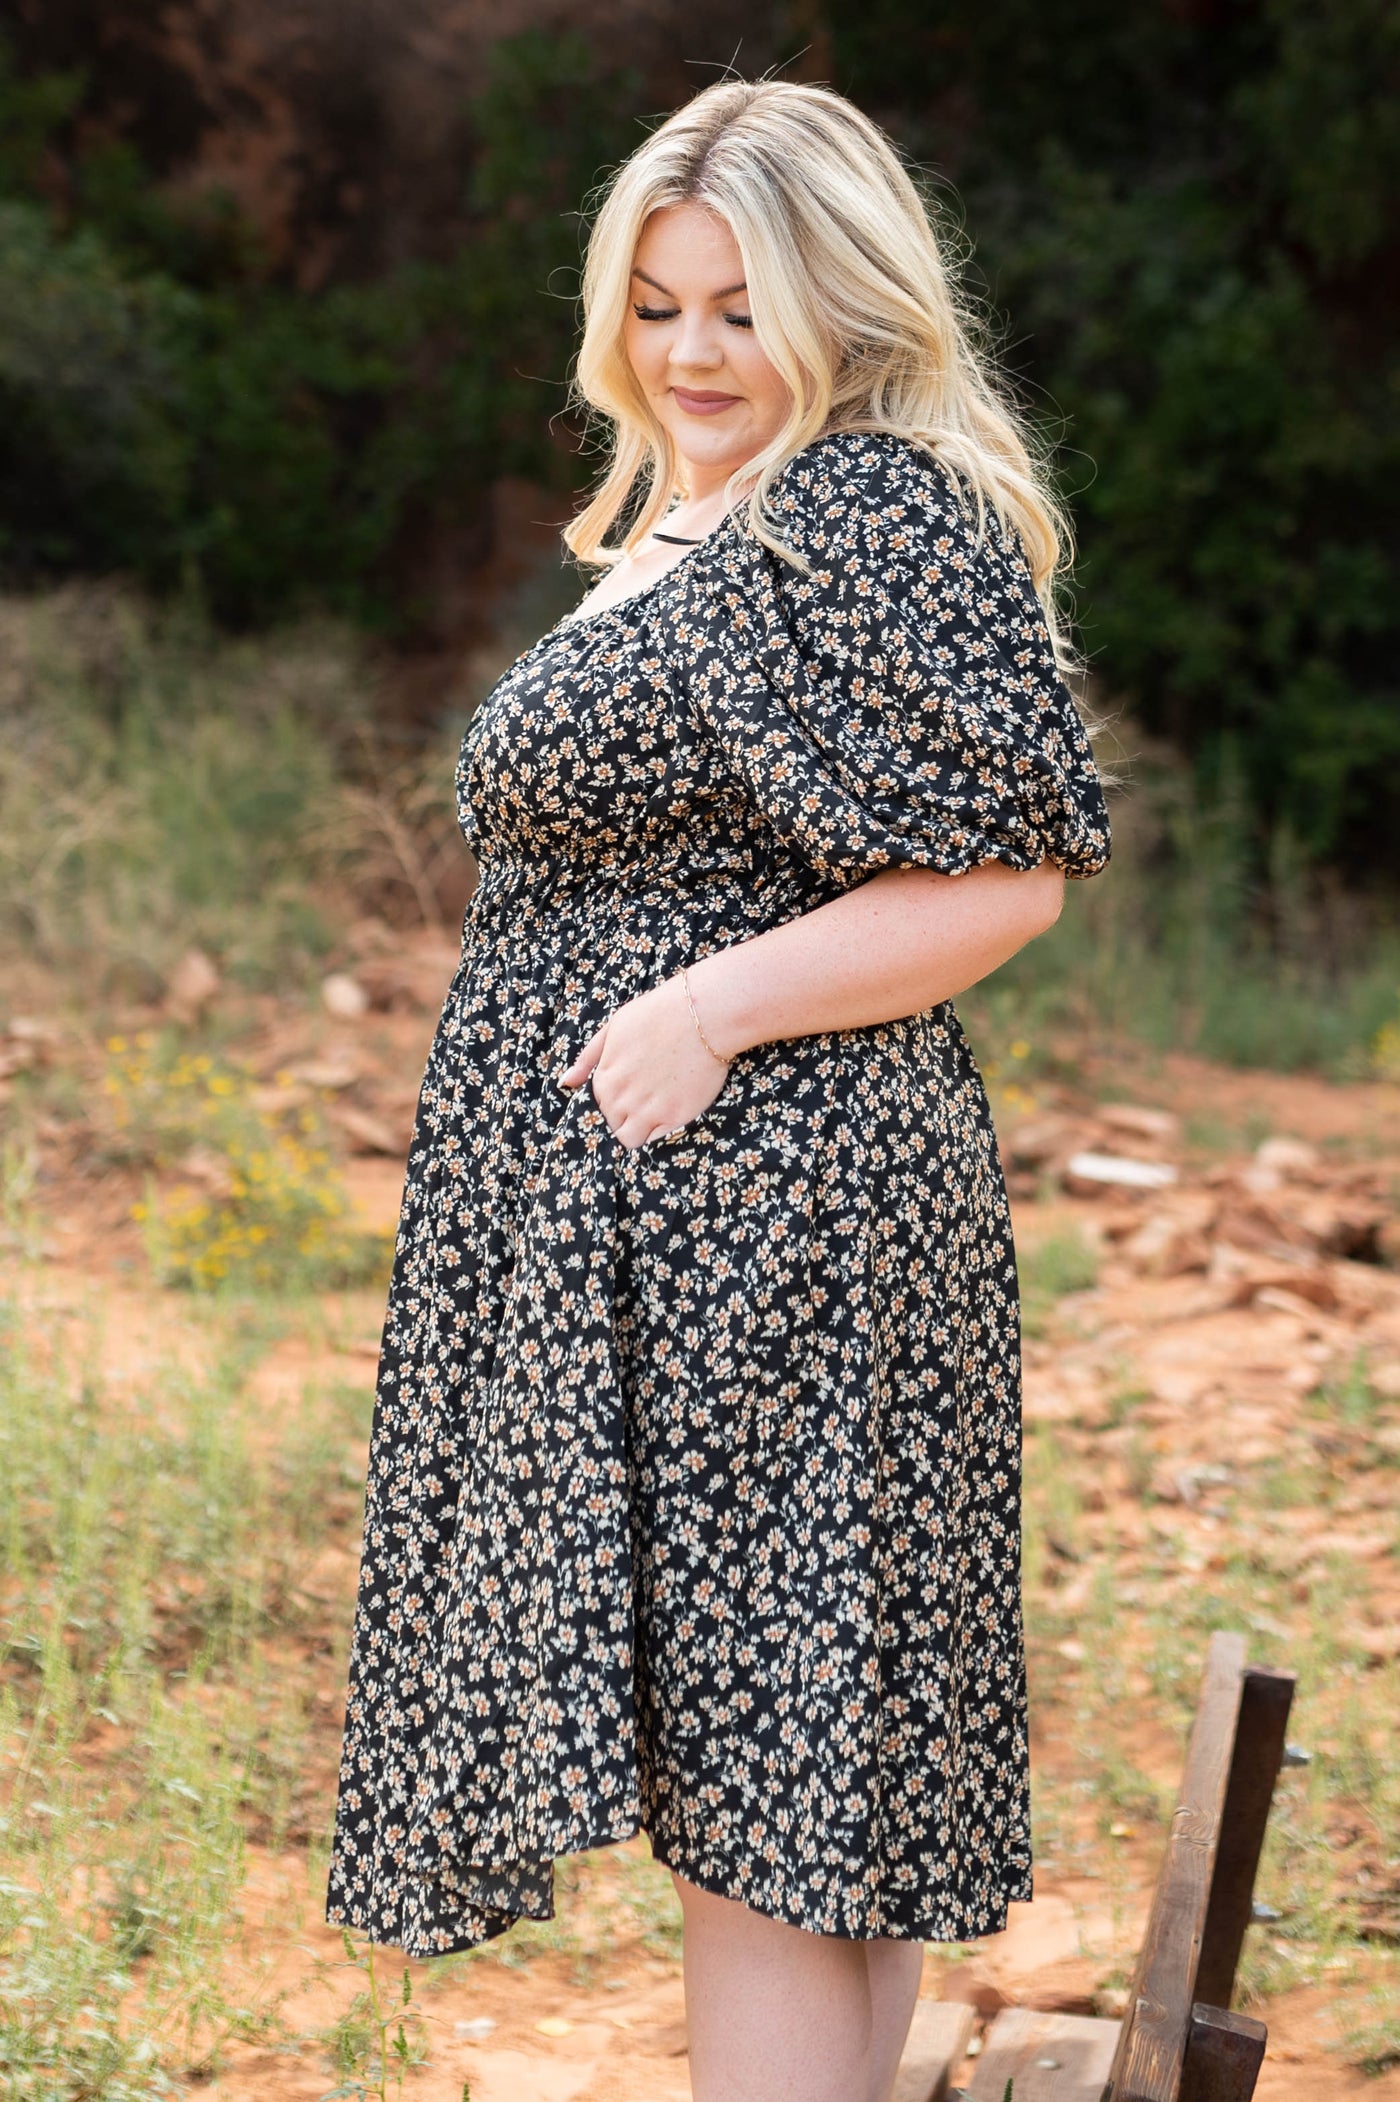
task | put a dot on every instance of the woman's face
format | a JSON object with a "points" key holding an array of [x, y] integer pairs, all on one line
{"points": [[691, 343]]}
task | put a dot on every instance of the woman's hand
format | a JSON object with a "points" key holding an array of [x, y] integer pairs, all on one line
{"points": [[650, 1072], [900, 942]]}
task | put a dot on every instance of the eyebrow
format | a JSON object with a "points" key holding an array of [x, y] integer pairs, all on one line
{"points": [[727, 293]]}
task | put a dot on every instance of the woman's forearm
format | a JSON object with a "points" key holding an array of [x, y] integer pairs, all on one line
{"points": [[896, 944]]}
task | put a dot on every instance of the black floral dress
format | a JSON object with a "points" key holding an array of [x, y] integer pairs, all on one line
{"points": [[694, 1485]]}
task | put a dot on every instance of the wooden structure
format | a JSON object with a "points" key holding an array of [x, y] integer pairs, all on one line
{"points": [[1178, 2042]]}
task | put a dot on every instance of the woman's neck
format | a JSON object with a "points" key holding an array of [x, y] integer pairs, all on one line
{"points": [[699, 509]]}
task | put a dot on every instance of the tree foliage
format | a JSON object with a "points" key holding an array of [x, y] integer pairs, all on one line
{"points": [[170, 410], [1189, 214]]}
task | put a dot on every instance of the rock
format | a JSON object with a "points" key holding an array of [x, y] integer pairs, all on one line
{"points": [[1143, 1123], [1364, 1289], [1277, 1161], [1266, 1229], [1378, 1645], [344, 997], [209, 1168], [33, 1029], [369, 1134], [335, 1072], [1340, 1223], [414, 980], [192, 985], [1175, 1484], [1036, 1141], [1173, 1238], [1247, 1277], [476, 2030], [1283, 1300], [1095, 1170], [972, 1986]]}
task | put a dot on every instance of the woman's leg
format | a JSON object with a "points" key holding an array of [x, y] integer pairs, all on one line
{"points": [[775, 2014], [895, 1969]]}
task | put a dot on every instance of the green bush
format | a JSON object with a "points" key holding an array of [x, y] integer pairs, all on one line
{"points": [[172, 411], [1187, 221], [94, 457]]}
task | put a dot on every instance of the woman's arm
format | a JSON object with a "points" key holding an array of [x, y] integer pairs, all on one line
{"points": [[902, 941]]}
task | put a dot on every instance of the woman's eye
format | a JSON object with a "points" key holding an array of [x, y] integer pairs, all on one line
{"points": [[654, 313], [739, 320]]}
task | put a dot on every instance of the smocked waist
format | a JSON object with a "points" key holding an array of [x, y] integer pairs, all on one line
{"points": [[681, 867]]}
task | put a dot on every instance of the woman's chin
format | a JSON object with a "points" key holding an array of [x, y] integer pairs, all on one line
{"points": [[716, 452]]}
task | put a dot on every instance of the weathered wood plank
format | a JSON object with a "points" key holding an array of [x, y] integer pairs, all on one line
{"points": [[1049, 2057], [1223, 2056], [1147, 2066], [937, 2043], [1259, 1738]]}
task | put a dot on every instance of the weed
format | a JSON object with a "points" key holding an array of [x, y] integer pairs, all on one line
{"points": [[143, 1724], [1374, 2043], [649, 1896], [261, 1204], [377, 2038], [1048, 1270]]}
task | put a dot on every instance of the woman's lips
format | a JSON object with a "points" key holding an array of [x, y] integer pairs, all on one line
{"points": [[703, 404]]}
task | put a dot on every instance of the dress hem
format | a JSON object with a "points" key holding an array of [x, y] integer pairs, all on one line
{"points": [[977, 1921]]}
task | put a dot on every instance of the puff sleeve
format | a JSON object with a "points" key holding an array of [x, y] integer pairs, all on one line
{"points": [[899, 703]]}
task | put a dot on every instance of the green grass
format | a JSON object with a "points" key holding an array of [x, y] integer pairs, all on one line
{"points": [[152, 1714], [1048, 1270], [163, 787]]}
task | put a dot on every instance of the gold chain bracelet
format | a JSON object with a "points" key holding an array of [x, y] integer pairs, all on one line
{"points": [[685, 981]]}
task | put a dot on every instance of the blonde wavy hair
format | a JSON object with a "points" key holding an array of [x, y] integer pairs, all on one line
{"points": [[852, 301]]}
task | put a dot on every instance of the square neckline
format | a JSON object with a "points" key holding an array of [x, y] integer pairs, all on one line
{"points": [[635, 598]]}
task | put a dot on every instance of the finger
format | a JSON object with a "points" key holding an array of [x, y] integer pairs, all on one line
{"points": [[587, 1058]]}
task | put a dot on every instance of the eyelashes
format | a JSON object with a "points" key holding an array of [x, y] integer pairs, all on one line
{"points": [[669, 314]]}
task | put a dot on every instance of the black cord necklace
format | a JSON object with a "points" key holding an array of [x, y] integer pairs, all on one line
{"points": [[676, 539]]}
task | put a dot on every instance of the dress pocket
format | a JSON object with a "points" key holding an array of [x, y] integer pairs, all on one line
{"points": [[697, 1126]]}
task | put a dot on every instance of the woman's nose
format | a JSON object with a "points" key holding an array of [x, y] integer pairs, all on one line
{"points": [[696, 343]]}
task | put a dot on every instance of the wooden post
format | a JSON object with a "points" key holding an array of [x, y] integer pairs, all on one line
{"points": [[1259, 1738], [1223, 2056], [1151, 2053]]}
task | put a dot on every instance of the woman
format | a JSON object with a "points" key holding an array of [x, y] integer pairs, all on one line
{"points": [[694, 1482]]}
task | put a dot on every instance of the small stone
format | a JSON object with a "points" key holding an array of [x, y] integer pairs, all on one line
{"points": [[1097, 1169], [1157, 1124], [1378, 1645], [366, 1132], [1035, 1142], [334, 1072], [554, 2025], [344, 997], [476, 2030], [1286, 1157], [192, 985]]}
